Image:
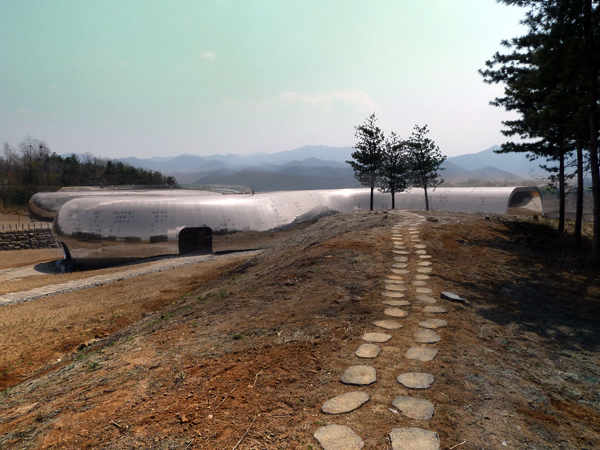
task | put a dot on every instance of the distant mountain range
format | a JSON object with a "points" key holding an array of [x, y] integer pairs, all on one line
{"points": [[322, 167]]}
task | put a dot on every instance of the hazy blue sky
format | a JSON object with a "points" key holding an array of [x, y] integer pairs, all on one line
{"points": [[157, 78]]}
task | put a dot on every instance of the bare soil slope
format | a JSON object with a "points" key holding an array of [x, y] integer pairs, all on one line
{"points": [[246, 358]]}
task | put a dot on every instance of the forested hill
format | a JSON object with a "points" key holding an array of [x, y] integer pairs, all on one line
{"points": [[32, 167]]}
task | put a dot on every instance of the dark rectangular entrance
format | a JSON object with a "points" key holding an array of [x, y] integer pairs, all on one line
{"points": [[195, 240]]}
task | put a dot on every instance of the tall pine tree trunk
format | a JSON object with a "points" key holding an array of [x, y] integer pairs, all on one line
{"points": [[593, 118], [561, 189], [579, 211]]}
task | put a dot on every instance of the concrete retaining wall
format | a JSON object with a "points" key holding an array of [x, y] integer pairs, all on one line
{"points": [[27, 239]]}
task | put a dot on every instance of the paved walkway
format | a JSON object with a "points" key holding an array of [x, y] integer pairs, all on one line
{"points": [[406, 298], [129, 271]]}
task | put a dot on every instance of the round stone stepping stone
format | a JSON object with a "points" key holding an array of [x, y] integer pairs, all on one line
{"points": [[414, 439], [395, 287], [401, 259], [423, 290], [395, 277], [345, 403], [413, 231], [425, 299], [416, 380], [435, 310], [400, 265], [368, 351], [376, 337], [359, 375], [387, 324], [427, 337], [396, 302], [395, 312], [421, 252], [420, 283], [415, 408], [394, 281], [338, 437], [425, 256], [424, 263], [416, 239], [420, 246], [424, 269], [402, 252], [393, 294], [400, 271], [422, 277], [423, 354], [452, 297], [433, 323]]}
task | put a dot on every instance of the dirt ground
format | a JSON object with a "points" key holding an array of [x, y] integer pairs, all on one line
{"points": [[242, 354]]}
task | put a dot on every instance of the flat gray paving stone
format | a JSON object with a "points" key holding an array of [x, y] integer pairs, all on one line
{"points": [[425, 299], [452, 297], [402, 252], [423, 290], [419, 283], [395, 277], [359, 375], [415, 408], [393, 294], [396, 302], [424, 269], [368, 351], [387, 324], [427, 337], [425, 256], [421, 252], [395, 312], [338, 437], [420, 246], [376, 337], [401, 259], [415, 380], [395, 281], [433, 323], [395, 287], [435, 309], [400, 265], [419, 353], [424, 263], [414, 439], [345, 403], [400, 271]]}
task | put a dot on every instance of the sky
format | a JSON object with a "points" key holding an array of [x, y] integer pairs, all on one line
{"points": [[146, 78]]}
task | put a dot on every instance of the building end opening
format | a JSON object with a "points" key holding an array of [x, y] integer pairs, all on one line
{"points": [[195, 240]]}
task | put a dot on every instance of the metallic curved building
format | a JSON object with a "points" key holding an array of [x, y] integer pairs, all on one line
{"points": [[110, 226]]}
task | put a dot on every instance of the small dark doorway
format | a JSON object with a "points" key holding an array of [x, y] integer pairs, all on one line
{"points": [[195, 240]]}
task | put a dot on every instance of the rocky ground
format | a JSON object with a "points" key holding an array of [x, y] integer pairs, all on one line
{"points": [[242, 354]]}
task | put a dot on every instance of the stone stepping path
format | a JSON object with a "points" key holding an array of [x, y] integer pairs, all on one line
{"points": [[427, 337], [414, 380], [433, 323], [388, 324], [396, 302], [415, 408], [395, 312], [359, 375], [345, 403], [400, 283], [392, 294], [376, 337], [368, 351], [435, 310], [423, 354], [338, 437], [414, 439]]}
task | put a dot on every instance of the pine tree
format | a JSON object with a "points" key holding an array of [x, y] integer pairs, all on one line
{"points": [[425, 160], [395, 170], [368, 154]]}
